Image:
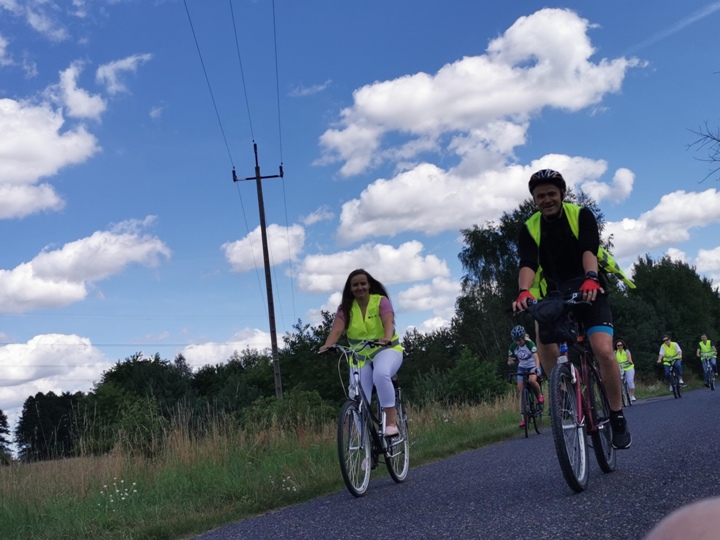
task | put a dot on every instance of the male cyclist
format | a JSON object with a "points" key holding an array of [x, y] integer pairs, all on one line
{"points": [[707, 352], [671, 355], [559, 244], [524, 352]]}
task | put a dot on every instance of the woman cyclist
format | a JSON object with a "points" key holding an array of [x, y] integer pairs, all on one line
{"points": [[366, 314], [624, 358], [524, 352]]}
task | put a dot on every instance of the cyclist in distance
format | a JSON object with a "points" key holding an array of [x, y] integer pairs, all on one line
{"points": [[365, 313], [624, 358], [671, 354], [560, 245], [524, 352], [707, 352]]}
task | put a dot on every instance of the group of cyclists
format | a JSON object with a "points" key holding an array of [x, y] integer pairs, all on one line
{"points": [[670, 355], [559, 249]]}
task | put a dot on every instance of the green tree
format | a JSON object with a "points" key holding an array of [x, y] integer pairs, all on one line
{"points": [[303, 369], [46, 428], [5, 452]]}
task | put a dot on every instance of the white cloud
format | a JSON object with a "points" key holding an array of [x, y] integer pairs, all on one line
{"points": [[439, 294], [47, 363], [34, 145], [109, 74], [78, 102], [321, 214], [668, 223], [56, 278], [284, 244], [522, 72], [215, 353], [328, 273], [708, 260], [5, 59], [619, 190], [301, 91], [402, 204]]}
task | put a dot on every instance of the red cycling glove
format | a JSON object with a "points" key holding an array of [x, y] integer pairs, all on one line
{"points": [[590, 285], [524, 295]]}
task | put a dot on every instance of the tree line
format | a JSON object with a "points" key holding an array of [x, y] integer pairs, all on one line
{"points": [[140, 398]]}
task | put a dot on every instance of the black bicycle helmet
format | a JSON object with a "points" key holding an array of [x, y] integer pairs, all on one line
{"points": [[518, 332], [547, 176]]}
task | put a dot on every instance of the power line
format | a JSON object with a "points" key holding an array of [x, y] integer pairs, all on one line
{"points": [[207, 79]]}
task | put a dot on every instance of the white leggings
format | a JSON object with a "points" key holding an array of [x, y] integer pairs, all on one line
{"points": [[379, 372], [630, 378]]}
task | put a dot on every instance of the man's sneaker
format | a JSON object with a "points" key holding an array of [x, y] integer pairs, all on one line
{"points": [[632, 398], [621, 438], [670, 388], [682, 382]]}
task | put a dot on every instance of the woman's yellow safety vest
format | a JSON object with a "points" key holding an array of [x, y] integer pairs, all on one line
{"points": [[606, 263], [670, 353], [706, 349], [621, 357], [368, 327]]}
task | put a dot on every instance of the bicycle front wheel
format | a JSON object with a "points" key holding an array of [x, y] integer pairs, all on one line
{"points": [[602, 432], [711, 378], [354, 447], [397, 457], [534, 413], [525, 408], [568, 432]]}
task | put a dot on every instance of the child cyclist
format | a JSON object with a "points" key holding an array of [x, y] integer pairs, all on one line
{"points": [[524, 352]]}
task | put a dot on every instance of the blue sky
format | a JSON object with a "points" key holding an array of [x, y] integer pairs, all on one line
{"points": [[397, 123]]}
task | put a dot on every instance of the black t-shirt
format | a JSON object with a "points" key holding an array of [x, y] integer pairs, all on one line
{"points": [[560, 252]]}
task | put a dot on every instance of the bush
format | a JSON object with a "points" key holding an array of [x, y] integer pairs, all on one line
{"points": [[296, 409], [473, 381]]}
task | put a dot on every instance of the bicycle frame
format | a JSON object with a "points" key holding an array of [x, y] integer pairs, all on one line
{"points": [[377, 423]]}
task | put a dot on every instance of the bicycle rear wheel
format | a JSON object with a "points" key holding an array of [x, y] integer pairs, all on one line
{"points": [[627, 402], [602, 436], [397, 457], [354, 448], [711, 378], [568, 433], [534, 412]]}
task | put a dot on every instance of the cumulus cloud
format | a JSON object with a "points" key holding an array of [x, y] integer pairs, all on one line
{"points": [[522, 72], [403, 204], [109, 74], [328, 273], [47, 363], [668, 223], [215, 353], [56, 278], [78, 102], [36, 144], [5, 59], [284, 244]]}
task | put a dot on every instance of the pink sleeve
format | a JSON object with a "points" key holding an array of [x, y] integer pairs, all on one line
{"points": [[385, 306], [339, 313]]}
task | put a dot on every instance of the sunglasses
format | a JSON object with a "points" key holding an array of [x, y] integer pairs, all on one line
{"points": [[666, 339], [619, 345]]}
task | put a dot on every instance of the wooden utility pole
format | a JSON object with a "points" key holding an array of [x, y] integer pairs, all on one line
{"points": [[266, 260]]}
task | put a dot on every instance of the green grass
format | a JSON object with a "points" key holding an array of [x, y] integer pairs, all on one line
{"points": [[195, 485]]}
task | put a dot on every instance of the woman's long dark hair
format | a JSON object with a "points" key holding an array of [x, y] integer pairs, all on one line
{"points": [[347, 296]]}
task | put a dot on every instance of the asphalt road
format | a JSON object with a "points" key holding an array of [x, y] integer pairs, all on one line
{"points": [[515, 489]]}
